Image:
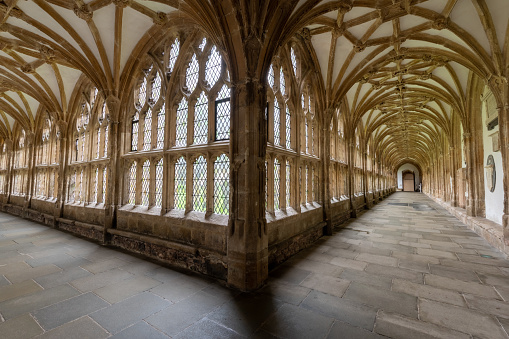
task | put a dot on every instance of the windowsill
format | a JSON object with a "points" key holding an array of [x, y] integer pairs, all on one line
{"points": [[210, 218], [44, 199], [290, 211]]}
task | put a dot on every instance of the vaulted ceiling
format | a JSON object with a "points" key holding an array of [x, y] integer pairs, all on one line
{"points": [[399, 68]]}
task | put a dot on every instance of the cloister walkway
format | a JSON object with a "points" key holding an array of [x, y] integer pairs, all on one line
{"points": [[404, 269]]}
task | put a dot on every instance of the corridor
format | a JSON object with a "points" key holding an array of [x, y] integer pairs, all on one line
{"points": [[404, 269]]}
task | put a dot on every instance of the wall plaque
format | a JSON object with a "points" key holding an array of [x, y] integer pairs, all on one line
{"points": [[491, 174]]}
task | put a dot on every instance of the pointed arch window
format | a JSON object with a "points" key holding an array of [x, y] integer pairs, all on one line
{"points": [[201, 120], [222, 107], [180, 184], [174, 53], [277, 182], [142, 94], [181, 126], [200, 184], [213, 67], [221, 184], [192, 74], [158, 196]]}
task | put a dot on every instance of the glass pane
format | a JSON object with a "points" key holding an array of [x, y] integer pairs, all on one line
{"points": [[98, 142], [288, 128], [200, 184], [192, 74], [271, 77], [104, 185], [174, 52], [180, 184], [96, 182], [221, 184], [134, 132], [142, 94], [159, 183], [203, 44], [156, 89], [294, 61], [277, 123], [181, 137], [145, 183], [106, 130], [132, 184], [201, 120], [288, 183], [277, 180], [213, 67], [147, 130], [306, 178], [223, 114], [282, 85], [161, 116], [306, 135]]}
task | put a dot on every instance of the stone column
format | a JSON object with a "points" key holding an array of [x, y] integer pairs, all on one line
{"points": [[503, 118], [351, 188], [62, 171], [247, 227], [470, 175], [365, 179], [454, 193], [326, 151], [30, 144], [113, 175]]}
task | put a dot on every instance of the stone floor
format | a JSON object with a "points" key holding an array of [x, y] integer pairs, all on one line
{"points": [[405, 269]]}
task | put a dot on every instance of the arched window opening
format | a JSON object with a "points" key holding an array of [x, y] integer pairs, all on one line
{"points": [[221, 184], [180, 184], [271, 77], [96, 184], [200, 184], [103, 199], [134, 131]]}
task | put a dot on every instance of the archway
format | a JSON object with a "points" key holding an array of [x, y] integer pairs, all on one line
{"points": [[408, 182]]}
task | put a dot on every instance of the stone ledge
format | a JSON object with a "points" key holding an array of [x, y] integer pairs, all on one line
{"points": [[490, 231]]}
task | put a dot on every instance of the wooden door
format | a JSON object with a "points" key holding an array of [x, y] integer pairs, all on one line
{"points": [[408, 182]]}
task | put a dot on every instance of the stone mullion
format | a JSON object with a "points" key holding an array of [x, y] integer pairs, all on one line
{"points": [[190, 122], [211, 119]]}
